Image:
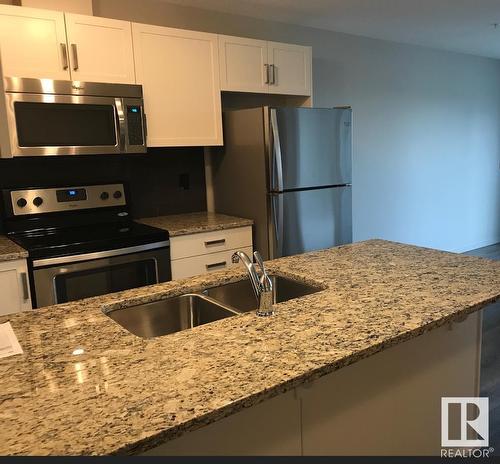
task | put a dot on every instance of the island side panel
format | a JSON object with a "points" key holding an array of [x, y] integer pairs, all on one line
{"points": [[390, 403], [271, 428], [387, 404]]}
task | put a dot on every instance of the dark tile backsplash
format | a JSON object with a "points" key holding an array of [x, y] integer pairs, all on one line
{"points": [[163, 181]]}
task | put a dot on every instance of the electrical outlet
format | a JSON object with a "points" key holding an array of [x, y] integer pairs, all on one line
{"points": [[184, 181]]}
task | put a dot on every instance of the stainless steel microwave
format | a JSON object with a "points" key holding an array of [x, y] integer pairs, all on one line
{"points": [[49, 117]]}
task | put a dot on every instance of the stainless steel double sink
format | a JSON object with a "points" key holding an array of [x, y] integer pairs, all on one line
{"points": [[186, 311]]}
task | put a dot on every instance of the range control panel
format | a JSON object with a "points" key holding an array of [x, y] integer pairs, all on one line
{"points": [[53, 200]]}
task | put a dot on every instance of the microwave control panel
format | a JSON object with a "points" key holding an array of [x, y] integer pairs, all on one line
{"points": [[134, 125]]}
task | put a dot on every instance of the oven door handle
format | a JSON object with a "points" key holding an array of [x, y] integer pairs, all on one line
{"points": [[98, 254]]}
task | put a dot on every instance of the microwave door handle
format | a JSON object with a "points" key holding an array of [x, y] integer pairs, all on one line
{"points": [[120, 124]]}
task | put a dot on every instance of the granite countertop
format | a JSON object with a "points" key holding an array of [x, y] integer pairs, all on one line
{"points": [[10, 250], [193, 223], [124, 394]]}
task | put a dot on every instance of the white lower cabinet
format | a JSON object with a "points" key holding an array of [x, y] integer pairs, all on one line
{"points": [[14, 287], [197, 254], [197, 265]]}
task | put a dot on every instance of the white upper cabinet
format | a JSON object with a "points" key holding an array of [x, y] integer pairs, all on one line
{"points": [[243, 64], [100, 49], [290, 68], [40, 44], [179, 71], [249, 65], [33, 43]]}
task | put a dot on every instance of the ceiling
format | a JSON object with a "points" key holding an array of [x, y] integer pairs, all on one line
{"points": [[458, 25]]}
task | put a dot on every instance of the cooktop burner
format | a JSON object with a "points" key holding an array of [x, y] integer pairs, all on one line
{"points": [[73, 220], [45, 243]]}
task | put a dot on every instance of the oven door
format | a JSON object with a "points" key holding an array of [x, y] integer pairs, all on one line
{"points": [[44, 124], [95, 274]]}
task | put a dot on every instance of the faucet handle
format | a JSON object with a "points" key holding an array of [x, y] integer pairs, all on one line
{"points": [[260, 262], [264, 278]]}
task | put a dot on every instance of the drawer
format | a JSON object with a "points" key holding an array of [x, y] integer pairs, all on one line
{"points": [[186, 246], [196, 265]]}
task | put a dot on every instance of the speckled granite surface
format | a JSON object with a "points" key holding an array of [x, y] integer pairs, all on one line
{"points": [[125, 394], [193, 223], [10, 250]]}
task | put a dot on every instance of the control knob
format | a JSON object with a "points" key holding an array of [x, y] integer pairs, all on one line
{"points": [[104, 196], [37, 201], [22, 202], [117, 194]]}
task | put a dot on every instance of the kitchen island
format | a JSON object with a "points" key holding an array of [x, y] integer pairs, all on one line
{"points": [[85, 385]]}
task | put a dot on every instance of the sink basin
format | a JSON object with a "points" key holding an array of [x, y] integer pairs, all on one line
{"points": [[240, 294], [170, 315], [186, 311]]}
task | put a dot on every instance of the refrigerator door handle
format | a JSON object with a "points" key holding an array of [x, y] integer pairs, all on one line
{"points": [[277, 205], [277, 166]]}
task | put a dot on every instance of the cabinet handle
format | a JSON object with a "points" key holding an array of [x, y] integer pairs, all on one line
{"points": [[64, 54], [215, 265], [273, 74], [74, 50], [24, 282], [215, 242], [267, 74]]}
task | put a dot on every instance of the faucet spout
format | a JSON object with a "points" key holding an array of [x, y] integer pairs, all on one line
{"points": [[262, 285], [252, 273]]}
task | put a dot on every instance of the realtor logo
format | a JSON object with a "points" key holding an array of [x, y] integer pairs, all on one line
{"points": [[464, 422]]}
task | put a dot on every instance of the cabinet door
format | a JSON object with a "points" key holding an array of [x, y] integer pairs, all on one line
{"points": [[33, 43], [291, 68], [179, 71], [100, 49], [14, 287], [243, 64]]}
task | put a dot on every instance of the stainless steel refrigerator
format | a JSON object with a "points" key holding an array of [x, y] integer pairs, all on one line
{"points": [[288, 169]]}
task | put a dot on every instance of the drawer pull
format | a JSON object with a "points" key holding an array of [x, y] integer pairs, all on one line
{"points": [[215, 265], [221, 241]]}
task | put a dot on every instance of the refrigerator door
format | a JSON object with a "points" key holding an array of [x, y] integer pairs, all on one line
{"points": [[308, 220], [311, 147]]}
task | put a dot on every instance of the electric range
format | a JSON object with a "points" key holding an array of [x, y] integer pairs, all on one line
{"points": [[82, 241]]}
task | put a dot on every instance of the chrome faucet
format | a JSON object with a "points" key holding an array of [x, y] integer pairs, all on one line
{"points": [[261, 284]]}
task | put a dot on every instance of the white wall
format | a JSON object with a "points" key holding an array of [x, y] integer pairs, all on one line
{"points": [[426, 127]]}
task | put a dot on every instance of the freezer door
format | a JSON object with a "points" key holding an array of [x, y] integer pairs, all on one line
{"points": [[311, 147], [310, 220]]}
